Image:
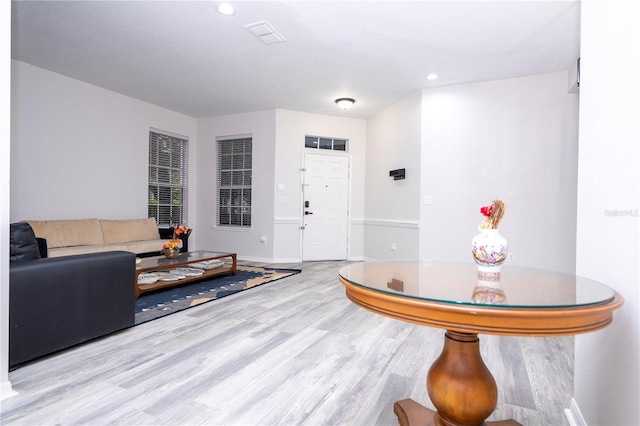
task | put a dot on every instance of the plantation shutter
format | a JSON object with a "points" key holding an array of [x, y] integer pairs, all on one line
{"points": [[167, 179], [234, 182]]}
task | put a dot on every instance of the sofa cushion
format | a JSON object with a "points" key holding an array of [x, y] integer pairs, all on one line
{"points": [[67, 233], [124, 231], [98, 248], [22, 243], [148, 246], [49, 230]]}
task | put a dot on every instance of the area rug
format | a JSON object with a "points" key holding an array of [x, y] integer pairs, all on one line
{"points": [[151, 306]]}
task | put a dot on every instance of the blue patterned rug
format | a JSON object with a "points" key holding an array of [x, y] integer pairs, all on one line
{"points": [[157, 304]]}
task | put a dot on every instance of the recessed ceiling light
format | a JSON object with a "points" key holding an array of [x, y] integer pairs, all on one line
{"points": [[345, 103], [432, 76], [226, 9]]}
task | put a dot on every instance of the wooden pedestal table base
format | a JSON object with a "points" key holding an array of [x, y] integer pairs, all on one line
{"points": [[460, 386]]}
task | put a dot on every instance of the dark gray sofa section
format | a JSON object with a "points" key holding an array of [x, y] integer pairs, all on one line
{"points": [[55, 303]]}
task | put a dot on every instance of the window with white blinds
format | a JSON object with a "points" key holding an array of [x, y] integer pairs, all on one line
{"points": [[234, 182], [167, 179]]}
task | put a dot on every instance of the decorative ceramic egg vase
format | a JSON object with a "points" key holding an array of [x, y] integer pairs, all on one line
{"points": [[488, 290], [489, 250], [488, 296]]}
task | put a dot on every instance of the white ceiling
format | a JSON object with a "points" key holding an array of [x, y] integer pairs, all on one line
{"points": [[187, 57]]}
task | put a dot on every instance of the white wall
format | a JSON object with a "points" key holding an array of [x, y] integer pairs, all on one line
{"points": [[80, 151], [607, 376], [392, 207], [485, 140], [291, 128], [5, 166], [278, 144], [76, 147], [246, 242]]}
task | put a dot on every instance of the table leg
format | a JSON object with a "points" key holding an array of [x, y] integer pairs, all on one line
{"points": [[460, 386], [137, 292], [234, 264]]}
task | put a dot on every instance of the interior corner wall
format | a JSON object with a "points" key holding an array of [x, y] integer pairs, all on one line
{"points": [[5, 166], [81, 151], [245, 242], [392, 207], [607, 362], [487, 140], [291, 129]]}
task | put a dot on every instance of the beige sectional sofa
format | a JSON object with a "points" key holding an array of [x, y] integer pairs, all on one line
{"points": [[69, 237]]}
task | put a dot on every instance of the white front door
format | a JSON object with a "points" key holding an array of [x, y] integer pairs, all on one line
{"points": [[325, 207]]}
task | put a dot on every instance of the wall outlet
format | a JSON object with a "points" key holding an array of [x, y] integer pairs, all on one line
{"points": [[511, 257], [393, 247]]}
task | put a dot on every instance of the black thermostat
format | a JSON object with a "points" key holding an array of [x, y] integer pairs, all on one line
{"points": [[397, 174]]}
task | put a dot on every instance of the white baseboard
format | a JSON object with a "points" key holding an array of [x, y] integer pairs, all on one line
{"points": [[574, 416], [6, 391], [268, 259], [287, 260], [255, 259]]}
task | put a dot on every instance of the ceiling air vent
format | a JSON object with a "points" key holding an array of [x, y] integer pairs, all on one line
{"points": [[265, 32]]}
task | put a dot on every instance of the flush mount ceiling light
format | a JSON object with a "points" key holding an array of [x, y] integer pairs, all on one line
{"points": [[226, 9], [432, 76], [345, 103]]}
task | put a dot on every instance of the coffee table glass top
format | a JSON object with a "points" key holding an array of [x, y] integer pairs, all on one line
{"points": [[458, 283], [192, 256]]}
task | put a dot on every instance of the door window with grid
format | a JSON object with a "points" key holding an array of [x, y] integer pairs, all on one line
{"points": [[234, 182], [332, 144], [167, 179]]}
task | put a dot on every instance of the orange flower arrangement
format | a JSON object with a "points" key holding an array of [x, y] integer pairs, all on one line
{"points": [[172, 244], [175, 243]]}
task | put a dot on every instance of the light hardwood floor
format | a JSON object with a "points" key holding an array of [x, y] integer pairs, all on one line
{"points": [[291, 352]]}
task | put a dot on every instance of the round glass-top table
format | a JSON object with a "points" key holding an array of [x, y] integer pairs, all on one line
{"points": [[465, 302]]}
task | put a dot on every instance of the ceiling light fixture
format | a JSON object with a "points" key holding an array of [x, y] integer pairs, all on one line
{"points": [[345, 103], [432, 76], [226, 9]]}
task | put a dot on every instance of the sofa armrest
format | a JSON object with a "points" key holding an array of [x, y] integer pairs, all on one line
{"points": [[165, 233], [42, 247], [58, 302]]}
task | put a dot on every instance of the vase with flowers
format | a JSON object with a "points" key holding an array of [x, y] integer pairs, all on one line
{"points": [[489, 248], [171, 249]]}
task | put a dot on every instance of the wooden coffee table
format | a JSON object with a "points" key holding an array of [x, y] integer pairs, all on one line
{"points": [[161, 263]]}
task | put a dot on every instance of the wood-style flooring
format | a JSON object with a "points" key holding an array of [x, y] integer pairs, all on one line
{"points": [[291, 352]]}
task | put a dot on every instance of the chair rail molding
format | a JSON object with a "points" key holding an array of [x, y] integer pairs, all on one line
{"points": [[286, 221], [411, 224]]}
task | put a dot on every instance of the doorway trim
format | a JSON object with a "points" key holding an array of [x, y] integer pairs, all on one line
{"points": [[302, 185]]}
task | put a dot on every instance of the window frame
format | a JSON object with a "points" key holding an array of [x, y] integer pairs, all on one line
{"points": [[168, 192], [234, 182], [320, 140]]}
